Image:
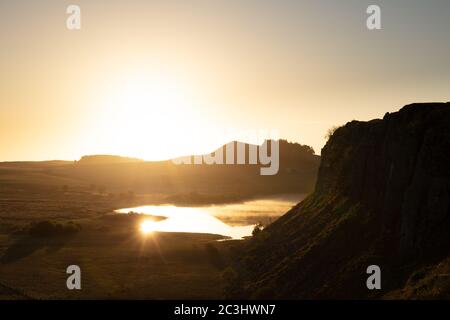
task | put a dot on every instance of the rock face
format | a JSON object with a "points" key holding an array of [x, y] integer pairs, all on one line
{"points": [[400, 168], [382, 197]]}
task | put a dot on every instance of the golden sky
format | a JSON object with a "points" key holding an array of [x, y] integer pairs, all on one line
{"points": [[156, 79]]}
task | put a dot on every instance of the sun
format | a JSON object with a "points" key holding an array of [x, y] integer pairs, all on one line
{"points": [[145, 114], [147, 226]]}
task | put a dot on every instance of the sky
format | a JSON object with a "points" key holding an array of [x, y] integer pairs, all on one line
{"points": [[158, 79]]}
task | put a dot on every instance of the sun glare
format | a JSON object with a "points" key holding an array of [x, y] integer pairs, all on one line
{"points": [[147, 227], [145, 114]]}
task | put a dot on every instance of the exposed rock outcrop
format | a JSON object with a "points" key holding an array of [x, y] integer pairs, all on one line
{"points": [[382, 197]]}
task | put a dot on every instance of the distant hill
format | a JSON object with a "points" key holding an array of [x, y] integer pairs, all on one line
{"points": [[104, 159], [114, 174], [382, 197]]}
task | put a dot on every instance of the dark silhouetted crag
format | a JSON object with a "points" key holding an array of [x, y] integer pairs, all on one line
{"points": [[382, 197]]}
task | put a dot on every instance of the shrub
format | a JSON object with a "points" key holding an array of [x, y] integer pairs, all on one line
{"points": [[48, 228], [257, 229], [330, 132]]}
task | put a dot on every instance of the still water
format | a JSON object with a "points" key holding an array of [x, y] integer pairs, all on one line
{"points": [[229, 220]]}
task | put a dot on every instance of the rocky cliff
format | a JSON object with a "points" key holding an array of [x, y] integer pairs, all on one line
{"points": [[382, 197]]}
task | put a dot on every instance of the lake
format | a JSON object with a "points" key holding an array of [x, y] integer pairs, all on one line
{"points": [[235, 221]]}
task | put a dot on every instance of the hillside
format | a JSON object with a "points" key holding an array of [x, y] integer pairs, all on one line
{"points": [[382, 197], [183, 183], [101, 159]]}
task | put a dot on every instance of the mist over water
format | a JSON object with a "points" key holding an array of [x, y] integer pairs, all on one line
{"points": [[229, 220]]}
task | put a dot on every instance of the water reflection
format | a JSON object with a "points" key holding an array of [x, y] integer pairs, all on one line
{"points": [[205, 219]]}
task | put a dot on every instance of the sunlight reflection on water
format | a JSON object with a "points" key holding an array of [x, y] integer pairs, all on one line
{"points": [[205, 219]]}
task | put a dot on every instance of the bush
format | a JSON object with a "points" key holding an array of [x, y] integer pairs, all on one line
{"points": [[48, 228], [330, 132], [257, 229]]}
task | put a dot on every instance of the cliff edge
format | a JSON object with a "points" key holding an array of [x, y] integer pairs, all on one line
{"points": [[381, 197]]}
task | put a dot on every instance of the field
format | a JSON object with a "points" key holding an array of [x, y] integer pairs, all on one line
{"points": [[116, 260]]}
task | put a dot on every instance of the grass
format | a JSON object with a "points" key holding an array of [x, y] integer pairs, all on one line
{"points": [[51, 217], [44, 230], [117, 261]]}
